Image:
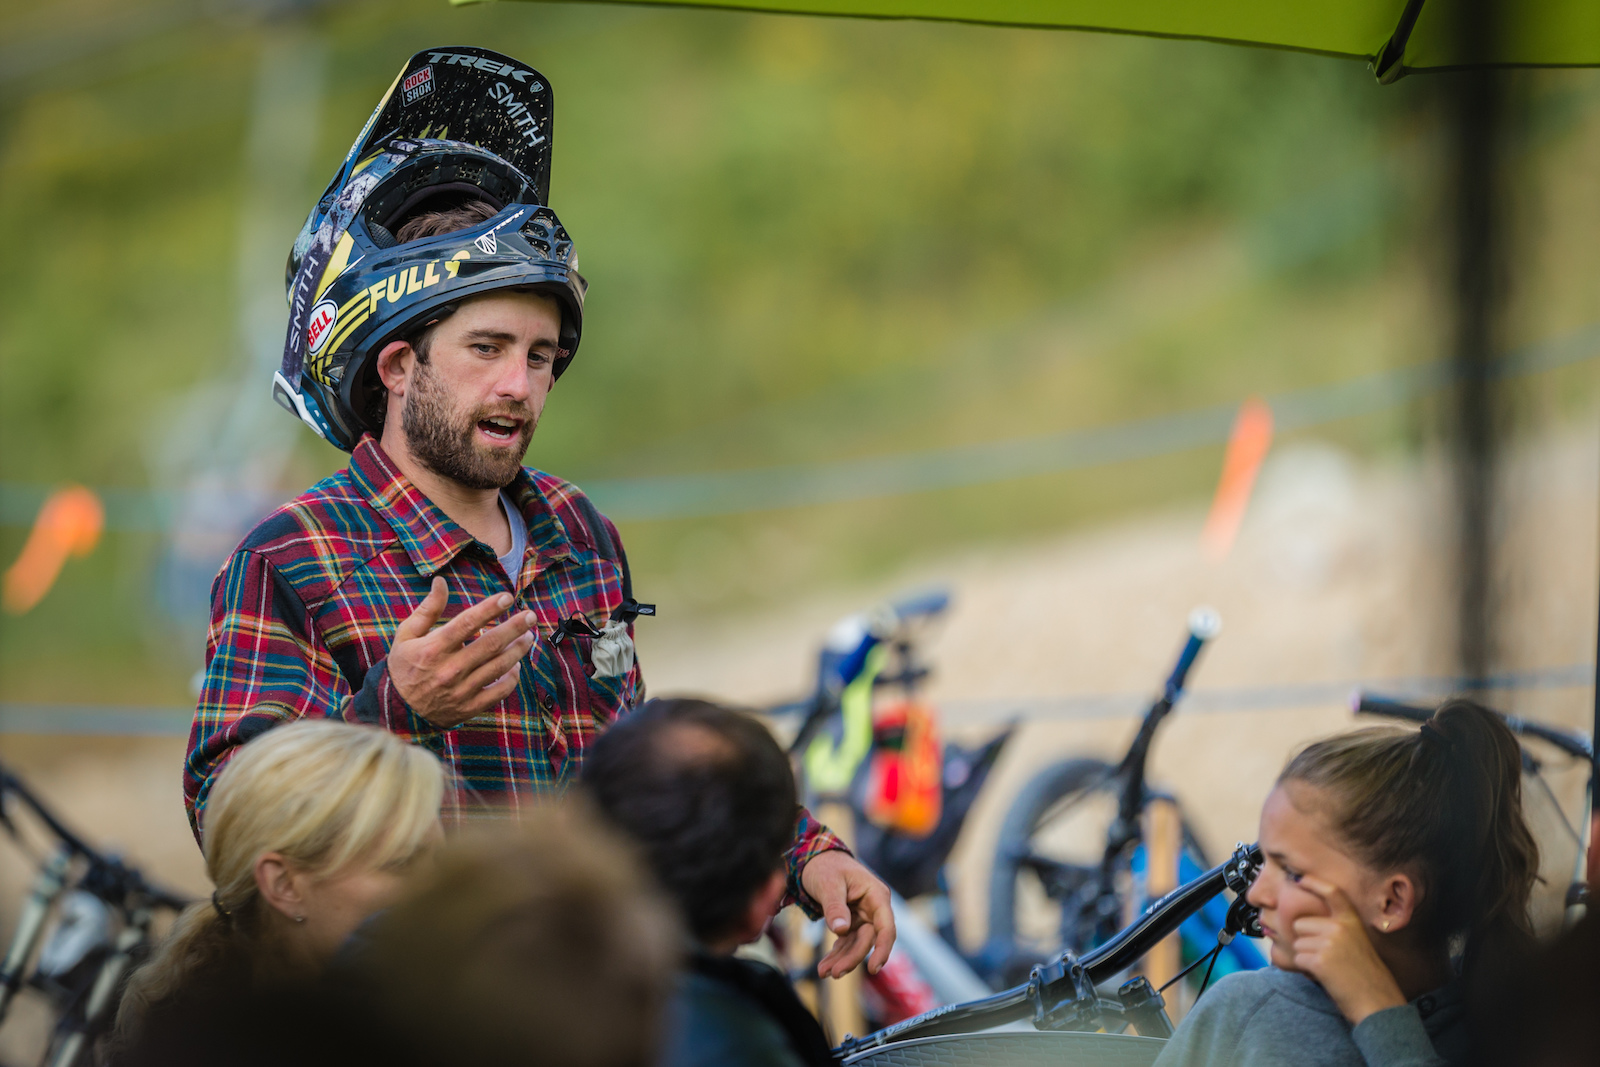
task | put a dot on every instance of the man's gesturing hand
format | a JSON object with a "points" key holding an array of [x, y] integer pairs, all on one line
{"points": [[444, 675], [855, 905]]}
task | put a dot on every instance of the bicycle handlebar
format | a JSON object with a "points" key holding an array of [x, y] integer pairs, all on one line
{"points": [[125, 878], [1204, 624], [1105, 962], [1570, 742], [921, 605]]}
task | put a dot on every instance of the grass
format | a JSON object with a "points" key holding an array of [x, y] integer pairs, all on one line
{"points": [[807, 239]]}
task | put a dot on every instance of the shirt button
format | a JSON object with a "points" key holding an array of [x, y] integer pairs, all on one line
{"points": [[1425, 1005]]}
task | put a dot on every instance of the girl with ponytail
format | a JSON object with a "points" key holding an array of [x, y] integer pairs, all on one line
{"points": [[1397, 861], [306, 834]]}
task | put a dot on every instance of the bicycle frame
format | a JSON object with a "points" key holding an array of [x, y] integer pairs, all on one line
{"points": [[120, 887], [1126, 831]]}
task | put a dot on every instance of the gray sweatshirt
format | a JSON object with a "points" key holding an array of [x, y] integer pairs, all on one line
{"points": [[1270, 1017]]}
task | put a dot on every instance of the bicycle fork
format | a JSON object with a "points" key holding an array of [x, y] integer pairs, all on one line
{"points": [[47, 888], [103, 994]]}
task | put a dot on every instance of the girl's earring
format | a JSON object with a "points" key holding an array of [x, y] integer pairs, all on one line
{"points": [[1386, 926]]}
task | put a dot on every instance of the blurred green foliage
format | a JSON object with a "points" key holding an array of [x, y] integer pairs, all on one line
{"points": [[807, 239]]}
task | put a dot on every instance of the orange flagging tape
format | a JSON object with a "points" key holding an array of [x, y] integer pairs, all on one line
{"points": [[68, 524], [1247, 447]]}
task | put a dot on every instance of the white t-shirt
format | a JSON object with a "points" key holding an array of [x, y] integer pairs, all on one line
{"points": [[511, 562]]}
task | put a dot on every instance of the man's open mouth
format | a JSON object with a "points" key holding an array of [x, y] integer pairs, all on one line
{"points": [[500, 428]]}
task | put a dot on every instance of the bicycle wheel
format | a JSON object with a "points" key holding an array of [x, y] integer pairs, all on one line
{"points": [[1048, 849], [1043, 894]]}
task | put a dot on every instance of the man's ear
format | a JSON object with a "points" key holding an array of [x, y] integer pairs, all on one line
{"points": [[278, 884], [1398, 898], [394, 366], [764, 905]]}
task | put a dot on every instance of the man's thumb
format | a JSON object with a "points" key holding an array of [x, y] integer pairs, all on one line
{"points": [[419, 622], [837, 915]]}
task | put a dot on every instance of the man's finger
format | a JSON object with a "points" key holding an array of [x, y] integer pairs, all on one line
{"points": [[876, 907], [847, 951], [420, 621], [493, 643], [835, 908], [496, 668], [882, 945], [460, 630], [492, 694]]}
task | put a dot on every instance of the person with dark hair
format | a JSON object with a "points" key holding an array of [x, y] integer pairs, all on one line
{"points": [[1384, 849], [710, 798], [1541, 1010], [437, 587], [539, 943]]}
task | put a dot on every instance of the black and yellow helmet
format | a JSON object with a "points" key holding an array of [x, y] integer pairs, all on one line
{"points": [[458, 125]]}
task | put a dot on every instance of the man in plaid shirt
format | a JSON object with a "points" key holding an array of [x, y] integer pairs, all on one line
{"points": [[438, 588]]}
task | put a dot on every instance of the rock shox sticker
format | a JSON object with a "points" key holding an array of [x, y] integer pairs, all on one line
{"points": [[417, 85]]}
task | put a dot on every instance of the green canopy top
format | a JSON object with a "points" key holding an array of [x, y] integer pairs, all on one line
{"points": [[1420, 34]]}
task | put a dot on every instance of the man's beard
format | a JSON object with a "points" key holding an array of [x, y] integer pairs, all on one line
{"points": [[448, 446]]}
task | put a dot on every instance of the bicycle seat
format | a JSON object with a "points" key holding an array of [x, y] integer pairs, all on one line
{"points": [[1015, 1049]]}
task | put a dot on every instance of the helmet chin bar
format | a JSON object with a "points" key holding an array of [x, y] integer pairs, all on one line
{"points": [[294, 403]]}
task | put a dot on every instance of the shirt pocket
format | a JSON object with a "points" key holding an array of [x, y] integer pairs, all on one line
{"points": [[609, 697]]}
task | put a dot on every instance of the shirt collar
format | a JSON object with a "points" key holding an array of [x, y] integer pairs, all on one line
{"points": [[430, 537]]}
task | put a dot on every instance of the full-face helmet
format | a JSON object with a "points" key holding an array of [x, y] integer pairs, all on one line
{"points": [[458, 125]]}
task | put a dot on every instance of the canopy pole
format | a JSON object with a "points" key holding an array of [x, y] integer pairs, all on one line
{"points": [[1475, 113]]}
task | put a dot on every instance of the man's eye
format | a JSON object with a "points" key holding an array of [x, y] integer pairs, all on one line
{"points": [[486, 349], [538, 358]]}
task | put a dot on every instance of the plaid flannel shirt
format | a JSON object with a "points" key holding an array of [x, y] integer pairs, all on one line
{"points": [[303, 615]]}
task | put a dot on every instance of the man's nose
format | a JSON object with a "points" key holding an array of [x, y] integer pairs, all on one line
{"points": [[512, 382]]}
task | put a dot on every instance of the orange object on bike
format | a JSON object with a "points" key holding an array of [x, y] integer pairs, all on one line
{"points": [[905, 787]]}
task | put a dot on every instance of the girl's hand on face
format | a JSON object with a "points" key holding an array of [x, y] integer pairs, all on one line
{"points": [[1337, 952]]}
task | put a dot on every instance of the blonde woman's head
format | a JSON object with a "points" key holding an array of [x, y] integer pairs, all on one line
{"points": [[305, 835], [311, 822]]}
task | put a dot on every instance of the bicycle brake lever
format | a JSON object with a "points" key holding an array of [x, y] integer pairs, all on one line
{"points": [[1240, 873]]}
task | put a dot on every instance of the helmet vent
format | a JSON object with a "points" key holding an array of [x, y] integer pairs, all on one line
{"points": [[537, 231], [380, 235]]}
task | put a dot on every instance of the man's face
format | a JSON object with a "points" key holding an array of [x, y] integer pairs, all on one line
{"points": [[470, 411]]}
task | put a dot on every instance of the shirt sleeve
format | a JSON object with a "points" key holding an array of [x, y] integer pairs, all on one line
{"points": [[1395, 1037], [266, 664], [811, 839]]}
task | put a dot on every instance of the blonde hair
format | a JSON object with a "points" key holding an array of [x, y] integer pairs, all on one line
{"points": [[327, 795]]}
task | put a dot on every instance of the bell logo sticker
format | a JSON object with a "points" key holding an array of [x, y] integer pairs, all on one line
{"points": [[320, 326], [487, 243]]}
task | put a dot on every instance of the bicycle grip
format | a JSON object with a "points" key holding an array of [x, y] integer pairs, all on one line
{"points": [[1363, 704], [1204, 624], [925, 604]]}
